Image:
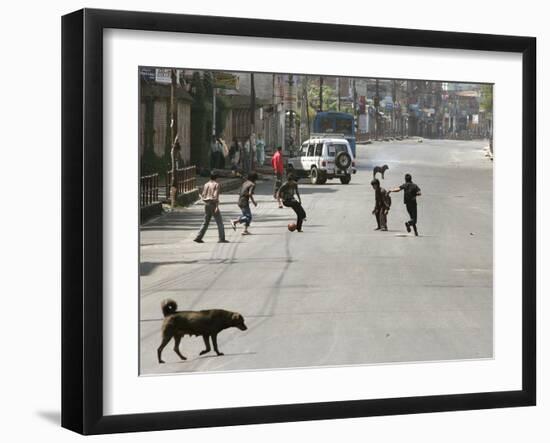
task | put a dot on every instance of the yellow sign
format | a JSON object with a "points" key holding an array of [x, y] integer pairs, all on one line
{"points": [[224, 80]]}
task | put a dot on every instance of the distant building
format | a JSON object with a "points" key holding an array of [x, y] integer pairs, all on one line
{"points": [[154, 118]]}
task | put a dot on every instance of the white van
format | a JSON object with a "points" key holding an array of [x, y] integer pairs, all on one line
{"points": [[323, 157]]}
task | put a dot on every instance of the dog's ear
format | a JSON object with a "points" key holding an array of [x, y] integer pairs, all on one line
{"points": [[237, 318]]}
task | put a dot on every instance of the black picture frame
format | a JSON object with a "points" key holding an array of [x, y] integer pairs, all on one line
{"points": [[82, 217]]}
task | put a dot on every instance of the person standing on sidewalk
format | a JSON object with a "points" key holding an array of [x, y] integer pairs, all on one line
{"points": [[214, 153], [286, 192], [278, 170], [211, 198], [246, 195], [246, 153], [260, 150], [252, 160], [382, 203], [411, 191]]}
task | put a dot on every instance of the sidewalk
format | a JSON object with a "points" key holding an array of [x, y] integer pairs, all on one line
{"points": [[229, 185], [183, 221]]}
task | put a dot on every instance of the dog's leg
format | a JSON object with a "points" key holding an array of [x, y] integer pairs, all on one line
{"points": [[177, 340], [165, 339], [215, 343], [383, 175], [206, 339]]}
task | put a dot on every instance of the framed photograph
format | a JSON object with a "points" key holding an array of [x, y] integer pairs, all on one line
{"points": [[270, 221]]}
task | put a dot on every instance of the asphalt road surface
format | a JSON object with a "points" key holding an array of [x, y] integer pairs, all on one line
{"points": [[339, 293]]}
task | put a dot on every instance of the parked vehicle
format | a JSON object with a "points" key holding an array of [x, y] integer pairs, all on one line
{"points": [[336, 123], [323, 157]]}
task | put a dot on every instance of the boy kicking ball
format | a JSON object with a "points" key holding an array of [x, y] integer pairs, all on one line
{"points": [[287, 192]]}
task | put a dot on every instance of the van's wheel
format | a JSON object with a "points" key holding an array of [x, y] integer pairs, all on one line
{"points": [[343, 160], [321, 178], [314, 175], [345, 179]]}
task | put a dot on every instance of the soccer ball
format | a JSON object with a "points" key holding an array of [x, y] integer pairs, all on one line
{"points": [[292, 227]]}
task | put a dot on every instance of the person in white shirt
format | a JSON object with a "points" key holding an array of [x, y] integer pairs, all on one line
{"points": [[260, 150], [211, 198]]}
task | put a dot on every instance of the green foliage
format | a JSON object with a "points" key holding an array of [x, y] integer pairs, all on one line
{"points": [[201, 118], [208, 83], [197, 87], [153, 164], [486, 99], [330, 100]]}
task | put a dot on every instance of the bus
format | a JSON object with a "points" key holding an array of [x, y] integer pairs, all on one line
{"points": [[336, 123]]}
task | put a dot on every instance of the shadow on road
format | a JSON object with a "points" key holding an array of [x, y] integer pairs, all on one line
{"points": [[234, 354]]}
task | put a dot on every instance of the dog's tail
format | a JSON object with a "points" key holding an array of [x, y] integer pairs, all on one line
{"points": [[168, 306]]}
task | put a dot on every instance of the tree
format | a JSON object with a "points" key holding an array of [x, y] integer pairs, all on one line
{"points": [[176, 148], [486, 99], [330, 99]]}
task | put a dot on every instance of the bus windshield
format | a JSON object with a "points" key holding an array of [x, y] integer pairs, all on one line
{"points": [[343, 126], [325, 125]]}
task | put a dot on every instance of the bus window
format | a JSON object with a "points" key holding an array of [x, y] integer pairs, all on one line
{"points": [[343, 126], [325, 125]]}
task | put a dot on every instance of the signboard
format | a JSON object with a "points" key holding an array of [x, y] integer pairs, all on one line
{"points": [[147, 74], [224, 80], [163, 76]]}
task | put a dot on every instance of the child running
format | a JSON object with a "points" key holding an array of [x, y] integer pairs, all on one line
{"points": [[411, 191], [246, 195]]}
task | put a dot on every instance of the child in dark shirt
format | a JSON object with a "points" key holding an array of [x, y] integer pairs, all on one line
{"points": [[411, 191], [286, 193]]}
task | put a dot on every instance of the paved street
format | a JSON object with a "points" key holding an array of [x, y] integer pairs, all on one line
{"points": [[339, 293]]}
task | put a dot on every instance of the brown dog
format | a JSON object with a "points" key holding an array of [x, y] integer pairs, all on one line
{"points": [[208, 323], [379, 169]]}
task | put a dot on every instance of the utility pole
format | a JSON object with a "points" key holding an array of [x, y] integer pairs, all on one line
{"points": [[173, 107], [274, 131], [174, 152], [394, 102], [354, 93], [338, 92], [376, 109], [320, 94], [290, 99], [252, 104], [252, 137], [306, 99], [213, 104]]}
